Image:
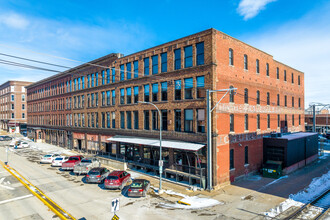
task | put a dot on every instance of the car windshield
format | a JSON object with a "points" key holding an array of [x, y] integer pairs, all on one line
{"points": [[74, 158], [59, 158], [47, 155], [86, 161], [112, 177], [94, 173], [136, 185]]}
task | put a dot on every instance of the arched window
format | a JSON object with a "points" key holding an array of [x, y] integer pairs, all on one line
{"points": [[257, 66], [246, 96], [231, 94], [267, 69], [258, 97], [268, 98], [245, 62], [231, 57]]}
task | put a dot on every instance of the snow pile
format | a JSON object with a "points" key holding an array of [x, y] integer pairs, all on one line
{"points": [[194, 201], [47, 148], [315, 188]]}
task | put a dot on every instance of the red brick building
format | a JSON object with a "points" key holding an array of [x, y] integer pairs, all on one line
{"points": [[13, 106], [94, 107]]}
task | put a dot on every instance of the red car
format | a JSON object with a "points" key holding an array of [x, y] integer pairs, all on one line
{"points": [[117, 180], [71, 162]]}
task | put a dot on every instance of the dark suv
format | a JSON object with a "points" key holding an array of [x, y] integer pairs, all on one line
{"points": [[97, 175], [117, 179]]}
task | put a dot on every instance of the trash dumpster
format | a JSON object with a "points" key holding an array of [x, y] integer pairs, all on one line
{"points": [[272, 169]]}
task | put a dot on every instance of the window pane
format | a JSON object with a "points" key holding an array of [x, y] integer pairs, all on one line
{"points": [[164, 62], [154, 64], [177, 59], [200, 53], [188, 56]]}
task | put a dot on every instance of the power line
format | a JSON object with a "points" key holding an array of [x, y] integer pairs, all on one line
{"points": [[22, 58], [26, 66]]}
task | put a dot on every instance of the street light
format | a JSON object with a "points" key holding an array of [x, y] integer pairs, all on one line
{"points": [[160, 146]]}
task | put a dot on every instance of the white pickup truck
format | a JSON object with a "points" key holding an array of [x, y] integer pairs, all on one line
{"points": [[86, 165]]}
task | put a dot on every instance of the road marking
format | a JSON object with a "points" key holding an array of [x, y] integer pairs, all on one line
{"points": [[14, 199]]}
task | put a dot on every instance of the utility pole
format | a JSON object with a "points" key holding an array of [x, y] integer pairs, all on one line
{"points": [[209, 110], [314, 118]]}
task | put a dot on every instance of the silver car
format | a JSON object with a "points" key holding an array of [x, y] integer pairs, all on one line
{"points": [[86, 165], [97, 175]]}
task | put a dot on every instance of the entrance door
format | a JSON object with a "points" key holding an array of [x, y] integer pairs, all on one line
{"points": [[79, 144]]}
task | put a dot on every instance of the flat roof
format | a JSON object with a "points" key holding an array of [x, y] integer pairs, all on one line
{"points": [[294, 135], [155, 142]]}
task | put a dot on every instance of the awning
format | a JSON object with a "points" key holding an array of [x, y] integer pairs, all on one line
{"points": [[155, 142]]}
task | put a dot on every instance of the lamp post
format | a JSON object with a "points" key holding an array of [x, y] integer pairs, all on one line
{"points": [[160, 146]]}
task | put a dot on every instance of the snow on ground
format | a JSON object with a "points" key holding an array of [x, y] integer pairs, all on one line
{"points": [[325, 155], [277, 180], [315, 188], [194, 201]]}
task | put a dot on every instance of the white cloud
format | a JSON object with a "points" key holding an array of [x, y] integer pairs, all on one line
{"points": [[304, 45], [14, 20], [250, 8]]}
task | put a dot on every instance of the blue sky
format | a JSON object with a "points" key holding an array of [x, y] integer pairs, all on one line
{"points": [[295, 32]]}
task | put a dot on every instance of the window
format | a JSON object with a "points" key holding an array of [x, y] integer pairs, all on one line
{"points": [[23, 115], [299, 120], [96, 79], [113, 118], [136, 119], [278, 120], [122, 96], [231, 123], [258, 121], [103, 119], [246, 155], [278, 99], [188, 57], [12, 97], [96, 99], [258, 97], [292, 101], [299, 104], [177, 59], [136, 68], [231, 94], [108, 119], [188, 120], [177, 119], [164, 120], [201, 120], [129, 119], [155, 92], [200, 87], [246, 96], [257, 66], [75, 84], [163, 57], [136, 94], [200, 53], [103, 99], [146, 120], [267, 69], [277, 73], [246, 122], [146, 66], [113, 101], [285, 101], [108, 97], [292, 120], [292, 79], [128, 95], [108, 76], [23, 106], [285, 75], [128, 70], [164, 91], [154, 64], [155, 119], [146, 93], [298, 80], [13, 107], [268, 98], [231, 57], [12, 115], [231, 160], [93, 120], [177, 89], [245, 62], [188, 86], [122, 120], [268, 121], [82, 82], [92, 76], [122, 72], [103, 78], [113, 74], [23, 98]]}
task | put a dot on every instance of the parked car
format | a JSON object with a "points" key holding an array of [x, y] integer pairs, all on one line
{"points": [[86, 165], [23, 145], [71, 162], [138, 188], [5, 138], [14, 142], [97, 175], [48, 158], [117, 179], [57, 162]]}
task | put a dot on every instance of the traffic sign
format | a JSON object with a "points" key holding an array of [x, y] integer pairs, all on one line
{"points": [[115, 217], [115, 205]]}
